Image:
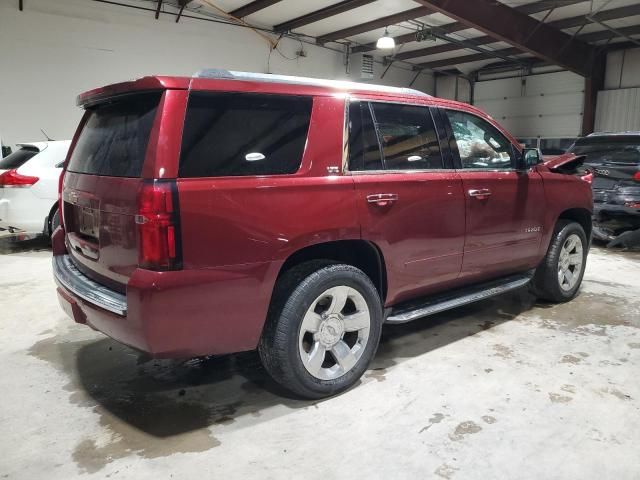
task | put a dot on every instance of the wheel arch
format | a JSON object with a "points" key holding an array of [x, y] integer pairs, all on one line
{"points": [[361, 254], [581, 216]]}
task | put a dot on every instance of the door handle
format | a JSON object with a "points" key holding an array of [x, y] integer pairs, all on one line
{"points": [[382, 199], [480, 194]]}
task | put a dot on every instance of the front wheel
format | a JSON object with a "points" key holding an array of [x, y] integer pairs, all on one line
{"points": [[323, 329], [559, 276]]}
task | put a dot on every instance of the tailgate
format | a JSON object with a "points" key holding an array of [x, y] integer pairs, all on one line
{"points": [[101, 186]]}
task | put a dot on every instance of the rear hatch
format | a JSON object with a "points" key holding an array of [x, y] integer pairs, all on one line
{"points": [[102, 183], [615, 162]]}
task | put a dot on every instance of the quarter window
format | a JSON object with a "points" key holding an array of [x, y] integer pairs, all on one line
{"points": [[480, 144], [364, 151], [233, 134], [408, 137]]}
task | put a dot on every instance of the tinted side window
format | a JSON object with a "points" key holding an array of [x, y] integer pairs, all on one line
{"points": [[479, 143], [408, 137], [229, 134], [364, 151]]}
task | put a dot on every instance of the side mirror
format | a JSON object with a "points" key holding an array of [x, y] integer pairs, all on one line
{"points": [[527, 159]]}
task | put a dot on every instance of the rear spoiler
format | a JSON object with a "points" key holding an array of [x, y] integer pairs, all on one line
{"points": [[565, 163], [143, 84]]}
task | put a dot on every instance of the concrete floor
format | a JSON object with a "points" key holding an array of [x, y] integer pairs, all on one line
{"points": [[505, 389]]}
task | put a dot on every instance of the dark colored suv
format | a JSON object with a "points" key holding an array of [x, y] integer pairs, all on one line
{"points": [[235, 211], [614, 159]]}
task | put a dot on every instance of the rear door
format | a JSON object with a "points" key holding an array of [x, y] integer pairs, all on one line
{"points": [[101, 185], [409, 201], [504, 208]]}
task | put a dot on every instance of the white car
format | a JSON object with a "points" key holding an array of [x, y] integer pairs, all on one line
{"points": [[29, 188]]}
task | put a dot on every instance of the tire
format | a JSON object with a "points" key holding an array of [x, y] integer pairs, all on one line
{"points": [[558, 277], [54, 221], [315, 344]]}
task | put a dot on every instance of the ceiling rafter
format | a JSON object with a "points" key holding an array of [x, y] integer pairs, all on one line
{"points": [[585, 37], [527, 9], [375, 24], [514, 27], [320, 14], [571, 22], [252, 7]]}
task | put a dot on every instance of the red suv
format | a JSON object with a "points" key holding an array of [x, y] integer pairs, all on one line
{"points": [[233, 211]]}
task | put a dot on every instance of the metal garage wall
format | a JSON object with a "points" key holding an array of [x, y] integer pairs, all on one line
{"points": [[545, 105], [618, 110], [618, 106]]}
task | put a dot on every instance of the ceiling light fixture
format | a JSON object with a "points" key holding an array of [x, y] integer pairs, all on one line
{"points": [[386, 42]]}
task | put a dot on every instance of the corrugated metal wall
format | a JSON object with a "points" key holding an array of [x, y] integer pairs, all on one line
{"points": [[618, 110], [545, 105]]}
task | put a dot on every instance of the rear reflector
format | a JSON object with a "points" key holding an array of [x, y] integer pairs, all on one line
{"points": [[157, 221], [636, 177], [11, 178]]}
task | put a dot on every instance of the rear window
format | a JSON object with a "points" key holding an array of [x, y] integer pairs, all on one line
{"points": [[18, 158], [114, 140], [235, 134], [621, 150]]}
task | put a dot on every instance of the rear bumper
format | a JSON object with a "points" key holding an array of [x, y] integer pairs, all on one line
{"points": [[181, 314], [69, 277]]}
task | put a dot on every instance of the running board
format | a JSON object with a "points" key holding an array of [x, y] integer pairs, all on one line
{"points": [[439, 303]]}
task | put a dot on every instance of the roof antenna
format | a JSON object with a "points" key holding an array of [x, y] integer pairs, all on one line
{"points": [[47, 136]]}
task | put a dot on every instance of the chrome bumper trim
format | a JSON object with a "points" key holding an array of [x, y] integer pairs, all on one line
{"points": [[68, 276]]}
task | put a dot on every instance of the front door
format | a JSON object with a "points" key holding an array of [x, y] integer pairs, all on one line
{"points": [[409, 204], [504, 207]]}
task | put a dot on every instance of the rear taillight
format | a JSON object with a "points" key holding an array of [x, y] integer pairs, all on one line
{"points": [[158, 229], [636, 176], [587, 177], [11, 178]]}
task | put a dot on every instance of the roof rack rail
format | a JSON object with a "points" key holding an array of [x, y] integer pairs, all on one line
{"points": [[221, 74]]}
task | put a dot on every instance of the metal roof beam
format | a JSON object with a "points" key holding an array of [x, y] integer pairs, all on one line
{"points": [[375, 24], [527, 9], [520, 30], [576, 21], [321, 14], [252, 7]]}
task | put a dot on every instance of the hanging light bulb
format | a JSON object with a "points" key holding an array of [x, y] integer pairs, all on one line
{"points": [[386, 42]]}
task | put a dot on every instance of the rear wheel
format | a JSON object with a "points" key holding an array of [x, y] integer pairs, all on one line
{"points": [[323, 329], [559, 276]]}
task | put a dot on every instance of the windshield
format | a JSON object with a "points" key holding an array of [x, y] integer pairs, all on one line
{"points": [[624, 151], [18, 158]]}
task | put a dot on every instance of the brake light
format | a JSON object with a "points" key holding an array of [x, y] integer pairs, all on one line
{"points": [[587, 177], [636, 176], [11, 178], [157, 221]]}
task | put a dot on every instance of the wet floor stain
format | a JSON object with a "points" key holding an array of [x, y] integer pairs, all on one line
{"points": [[489, 419], [150, 408], [568, 388], [616, 393], [377, 374], [591, 314], [634, 345], [445, 471], [558, 398], [465, 428], [502, 351], [437, 418], [570, 359]]}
